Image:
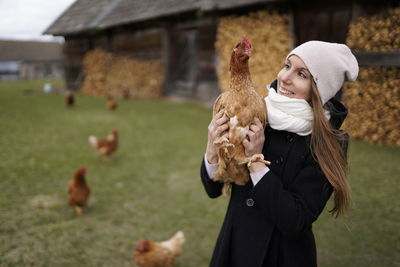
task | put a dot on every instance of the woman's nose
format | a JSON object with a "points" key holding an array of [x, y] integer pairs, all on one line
{"points": [[286, 77]]}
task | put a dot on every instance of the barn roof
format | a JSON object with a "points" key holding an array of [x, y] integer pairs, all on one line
{"points": [[86, 15], [30, 51]]}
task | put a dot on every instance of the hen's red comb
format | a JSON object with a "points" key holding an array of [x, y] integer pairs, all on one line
{"points": [[246, 42]]}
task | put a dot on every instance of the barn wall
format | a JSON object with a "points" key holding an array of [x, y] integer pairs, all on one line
{"points": [[124, 41], [321, 21], [146, 44], [207, 85], [191, 59], [74, 51], [206, 52]]}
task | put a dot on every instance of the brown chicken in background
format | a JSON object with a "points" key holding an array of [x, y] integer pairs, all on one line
{"points": [[242, 104], [69, 98], [79, 191], [159, 254], [111, 104], [105, 146]]}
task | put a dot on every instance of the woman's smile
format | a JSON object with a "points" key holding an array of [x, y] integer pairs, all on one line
{"points": [[284, 91]]}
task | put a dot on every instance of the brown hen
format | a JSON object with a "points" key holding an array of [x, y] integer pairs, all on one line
{"points": [[69, 98], [105, 146], [111, 104], [159, 254], [79, 191], [242, 104]]}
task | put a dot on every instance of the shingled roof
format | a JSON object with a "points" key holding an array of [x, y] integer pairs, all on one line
{"points": [[30, 51], [86, 15]]}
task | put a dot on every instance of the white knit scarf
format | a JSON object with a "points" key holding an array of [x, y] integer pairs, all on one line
{"points": [[289, 114]]}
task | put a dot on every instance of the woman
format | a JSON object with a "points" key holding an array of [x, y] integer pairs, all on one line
{"points": [[269, 220]]}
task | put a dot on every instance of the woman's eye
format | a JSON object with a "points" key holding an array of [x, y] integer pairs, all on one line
{"points": [[302, 75], [286, 66]]}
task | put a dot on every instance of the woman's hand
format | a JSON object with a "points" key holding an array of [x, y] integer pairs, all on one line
{"points": [[217, 126], [254, 144]]}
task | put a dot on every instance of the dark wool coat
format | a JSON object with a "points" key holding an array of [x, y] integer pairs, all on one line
{"points": [[270, 224]]}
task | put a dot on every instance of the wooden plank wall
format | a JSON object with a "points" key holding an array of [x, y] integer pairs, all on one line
{"points": [[206, 52], [145, 44], [321, 22], [123, 42], [74, 51], [191, 58]]}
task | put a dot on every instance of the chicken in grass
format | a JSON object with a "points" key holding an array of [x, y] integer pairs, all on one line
{"points": [[78, 191], [241, 104], [69, 99], [111, 104], [159, 254], [105, 146]]}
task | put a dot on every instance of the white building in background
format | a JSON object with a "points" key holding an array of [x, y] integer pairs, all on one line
{"points": [[9, 70], [30, 60]]}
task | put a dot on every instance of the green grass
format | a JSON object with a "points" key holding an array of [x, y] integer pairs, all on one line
{"points": [[151, 188]]}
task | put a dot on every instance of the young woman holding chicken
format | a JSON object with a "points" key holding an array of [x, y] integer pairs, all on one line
{"points": [[269, 220]]}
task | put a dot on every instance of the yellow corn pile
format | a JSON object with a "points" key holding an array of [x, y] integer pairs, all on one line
{"points": [[107, 74], [374, 99], [269, 36]]}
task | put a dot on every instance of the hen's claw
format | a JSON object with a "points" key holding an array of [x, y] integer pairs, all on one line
{"points": [[257, 158]]}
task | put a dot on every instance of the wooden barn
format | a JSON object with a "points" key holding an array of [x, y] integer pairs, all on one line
{"points": [[182, 34]]}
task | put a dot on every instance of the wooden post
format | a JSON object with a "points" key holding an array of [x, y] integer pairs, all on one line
{"points": [[165, 56], [378, 59]]}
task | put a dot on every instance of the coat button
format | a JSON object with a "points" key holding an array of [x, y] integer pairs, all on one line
{"points": [[279, 160], [289, 138], [250, 202]]}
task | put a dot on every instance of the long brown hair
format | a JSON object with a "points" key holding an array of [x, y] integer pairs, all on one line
{"points": [[326, 146]]}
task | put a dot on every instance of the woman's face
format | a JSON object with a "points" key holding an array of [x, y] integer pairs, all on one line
{"points": [[294, 80]]}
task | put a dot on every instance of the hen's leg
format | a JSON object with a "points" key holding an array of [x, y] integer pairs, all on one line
{"points": [[227, 189], [106, 158], [225, 147], [223, 141], [257, 158], [79, 210]]}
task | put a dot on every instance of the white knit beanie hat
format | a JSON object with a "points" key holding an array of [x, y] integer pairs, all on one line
{"points": [[330, 64]]}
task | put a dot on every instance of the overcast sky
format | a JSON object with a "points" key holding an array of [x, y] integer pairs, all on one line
{"points": [[27, 19]]}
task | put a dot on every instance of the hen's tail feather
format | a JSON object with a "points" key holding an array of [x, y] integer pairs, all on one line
{"points": [[179, 239], [93, 141]]}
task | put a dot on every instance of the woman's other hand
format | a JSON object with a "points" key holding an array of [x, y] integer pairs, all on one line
{"points": [[254, 142], [217, 126]]}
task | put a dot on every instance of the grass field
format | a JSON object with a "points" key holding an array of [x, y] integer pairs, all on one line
{"points": [[151, 188]]}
